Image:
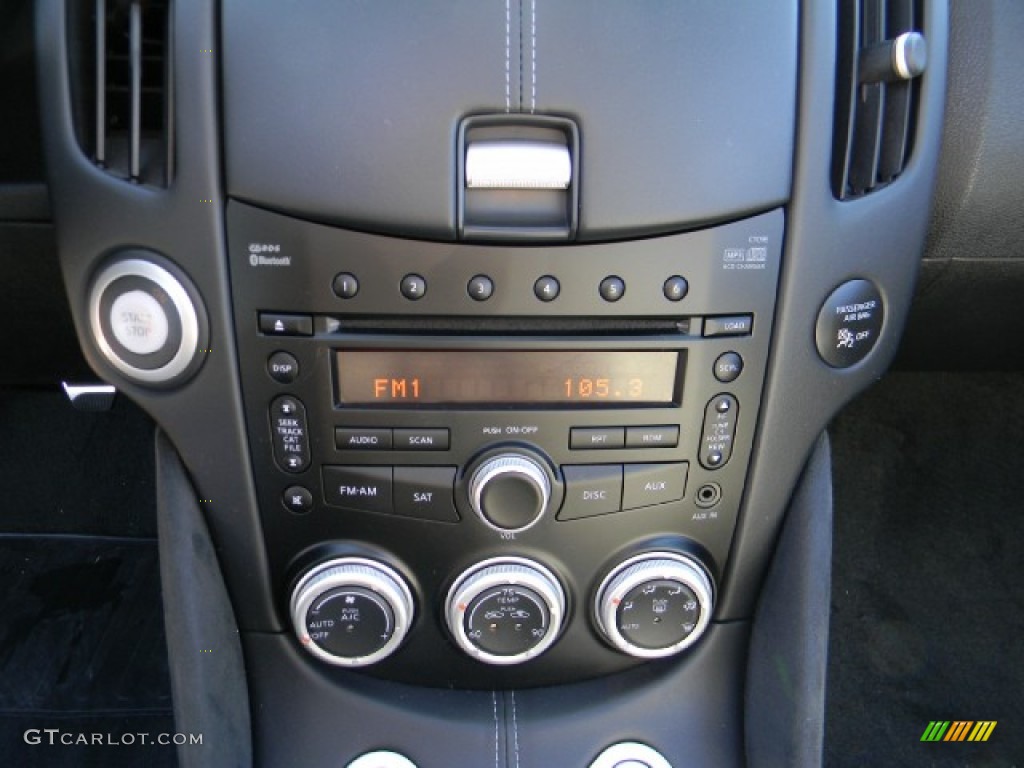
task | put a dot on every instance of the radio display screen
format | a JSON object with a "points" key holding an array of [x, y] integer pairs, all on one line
{"points": [[573, 378]]}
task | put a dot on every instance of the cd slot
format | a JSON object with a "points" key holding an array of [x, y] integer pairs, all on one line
{"points": [[509, 326]]}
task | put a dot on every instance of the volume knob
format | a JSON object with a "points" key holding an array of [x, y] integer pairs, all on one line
{"points": [[510, 492]]}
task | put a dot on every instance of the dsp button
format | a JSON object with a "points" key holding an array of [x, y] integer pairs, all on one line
{"points": [[645, 485], [289, 434], [426, 493], [364, 488], [591, 490]]}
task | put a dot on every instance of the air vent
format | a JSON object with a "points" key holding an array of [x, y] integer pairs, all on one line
{"points": [[881, 56], [122, 86]]}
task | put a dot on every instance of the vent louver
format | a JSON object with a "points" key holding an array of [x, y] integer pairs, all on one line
{"points": [[122, 86], [881, 55]]}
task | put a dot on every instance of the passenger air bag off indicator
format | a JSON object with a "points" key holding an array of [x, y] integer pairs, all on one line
{"points": [[849, 323]]}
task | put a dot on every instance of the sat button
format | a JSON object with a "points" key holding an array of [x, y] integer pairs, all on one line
{"points": [[426, 493]]}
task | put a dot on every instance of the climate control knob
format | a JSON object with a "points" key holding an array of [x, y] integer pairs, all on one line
{"points": [[510, 492], [654, 605], [351, 611], [506, 610]]}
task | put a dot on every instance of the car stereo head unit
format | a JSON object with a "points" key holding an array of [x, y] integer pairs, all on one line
{"points": [[495, 465]]}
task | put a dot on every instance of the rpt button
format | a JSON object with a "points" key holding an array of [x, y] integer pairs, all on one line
{"points": [[590, 438], [364, 488]]}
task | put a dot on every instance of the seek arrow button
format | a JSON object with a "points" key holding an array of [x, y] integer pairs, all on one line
{"points": [[289, 434]]}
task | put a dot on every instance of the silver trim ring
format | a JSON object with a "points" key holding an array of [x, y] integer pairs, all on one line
{"points": [[186, 310], [634, 572], [626, 752], [382, 580], [497, 572], [503, 464], [381, 759]]}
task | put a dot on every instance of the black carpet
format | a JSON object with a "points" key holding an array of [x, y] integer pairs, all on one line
{"points": [[82, 652], [82, 649], [928, 581]]}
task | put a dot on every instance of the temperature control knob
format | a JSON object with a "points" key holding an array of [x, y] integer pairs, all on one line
{"points": [[506, 610], [510, 491], [655, 604], [351, 611]]}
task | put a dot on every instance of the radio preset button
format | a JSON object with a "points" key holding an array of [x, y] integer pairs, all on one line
{"points": [[283, 367], [286, 325], [426, 493], [596, 438], [728, 367], [644, 485], [413, 287], [612, 288], [363, 488], [421, 440], [676, 288], [360, 439], [345, 285], [480, 288], [733, 325], [547, 288], [289, 434], [591, 489], [652, 437]]}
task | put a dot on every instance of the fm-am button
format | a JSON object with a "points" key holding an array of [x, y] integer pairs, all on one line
{"points": [[363, 488]]}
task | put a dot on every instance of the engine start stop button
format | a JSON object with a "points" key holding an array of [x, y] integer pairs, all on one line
{"points": [[138, 322], [849, 323]]}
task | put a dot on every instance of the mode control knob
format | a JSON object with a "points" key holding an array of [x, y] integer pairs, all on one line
{"points": [[510, 492], [351, 611], [506, 610], [654, 605]]}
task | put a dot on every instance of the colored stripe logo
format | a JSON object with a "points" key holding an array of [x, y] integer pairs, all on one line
{"points": [[959, 730]]}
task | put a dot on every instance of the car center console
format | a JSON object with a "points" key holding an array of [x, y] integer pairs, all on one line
{"points": [[492, 342], [451, 437]]}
